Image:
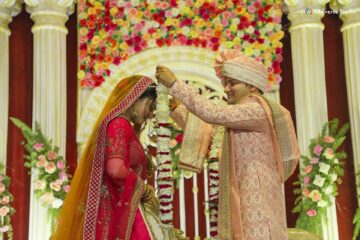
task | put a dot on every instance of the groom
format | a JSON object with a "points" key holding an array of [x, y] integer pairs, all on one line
{"points": [[260, 149]]}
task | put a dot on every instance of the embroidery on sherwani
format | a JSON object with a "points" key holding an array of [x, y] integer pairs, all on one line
{"points": [[96, 177], [225, 215]]}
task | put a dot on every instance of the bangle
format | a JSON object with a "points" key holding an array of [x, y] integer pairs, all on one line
{"points": [[172, 84]]}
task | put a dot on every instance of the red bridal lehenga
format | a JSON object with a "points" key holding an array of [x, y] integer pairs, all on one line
{"points": [[101, 207]]}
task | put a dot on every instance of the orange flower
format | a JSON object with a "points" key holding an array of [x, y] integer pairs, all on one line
{"points": [[90, 24], [109, 58], [217, 33]]}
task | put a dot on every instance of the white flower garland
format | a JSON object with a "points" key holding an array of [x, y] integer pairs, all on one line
{"points": [[164, 177], [214, 179]]}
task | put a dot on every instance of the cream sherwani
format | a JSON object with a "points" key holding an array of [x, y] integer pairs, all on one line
{"points": [[252, 205]]}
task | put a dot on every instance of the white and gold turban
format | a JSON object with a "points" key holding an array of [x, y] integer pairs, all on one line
{"points": [[234, 64]]}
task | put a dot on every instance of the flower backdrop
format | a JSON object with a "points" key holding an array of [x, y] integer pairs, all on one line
{"points": [[111, 31]]}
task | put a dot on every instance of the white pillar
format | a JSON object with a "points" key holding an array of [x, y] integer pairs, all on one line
{"points": [[307, 49], [350, 15], [8, 9], [49, 94]]}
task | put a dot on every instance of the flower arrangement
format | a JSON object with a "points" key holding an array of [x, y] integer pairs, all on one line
{"points": [[6, 210], [165, 177], [175, 147], [112, 31], [48, 168], [356, 219], [322, 172], [214, 179]]}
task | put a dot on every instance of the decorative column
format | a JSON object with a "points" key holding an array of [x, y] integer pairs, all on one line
{"points": [[350, 15], [49, 96], [8, 9], [307, 49]]}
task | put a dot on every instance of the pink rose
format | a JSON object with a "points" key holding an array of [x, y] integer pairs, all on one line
{"points": [[2, 188], [306, 192], [311, 212], [63, 177], [314, 160], [50, 168], [317, 150], [4, 229], [38, 146], [329, 139], [4, 211], [306, 180], [251, 9], [308, 168], [5, 200], [42, 161], [179, 138], [66, 188], [60, 165], [51, 155]]}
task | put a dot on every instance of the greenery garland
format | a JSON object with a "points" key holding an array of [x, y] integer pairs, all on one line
{"points": [[356, 219], [6, 210]]}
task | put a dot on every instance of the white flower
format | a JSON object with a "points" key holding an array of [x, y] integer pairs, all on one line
{"points": [[135, 2], [4, 211], [336, 160], [235, 21], [40, 185], [57, 203], [56, 186], [47, 198], [328, 190], [185, 30], [333, 177], [322, 203], [319, 181], [250, 29], [175, 12], [5, 200], [2, 188], [324, 168]]}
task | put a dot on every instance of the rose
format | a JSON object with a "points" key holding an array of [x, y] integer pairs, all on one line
{"points": [[308, 168], [315, 195], [311, 212], [4, 211], [63, 177], [66, 188], [57, 203], [56, 185], [2, 188], [40, 185], [42, 161], [333, 177], [173, 143], [47, 198], [306, 180], [314, 160], [50, 168], [324, 168], [305, 192], [319, 181], [329, 153], [317, 150], [336, 160], [38, 146], [5, 200], [60, 165], [329, 139], [179, 138], [51, 155]]}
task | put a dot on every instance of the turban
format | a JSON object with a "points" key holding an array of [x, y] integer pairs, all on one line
{"points": [[234, 64]]}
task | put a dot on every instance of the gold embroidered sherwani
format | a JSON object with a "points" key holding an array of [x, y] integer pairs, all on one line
{"points": [[251, 204]]}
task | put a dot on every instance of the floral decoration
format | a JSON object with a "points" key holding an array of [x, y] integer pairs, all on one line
{"points": [[165, 178], [356, 219], [175, 148], [6, 210], [49, 170], [321, 175], [110, 31]]}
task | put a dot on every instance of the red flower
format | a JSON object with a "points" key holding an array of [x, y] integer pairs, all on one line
{"points": [[173, 3], [179, 138], [186, 22], [83, 22], [116, 60]]}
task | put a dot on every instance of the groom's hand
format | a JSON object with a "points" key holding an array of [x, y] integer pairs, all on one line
{"points": [[165, 76]]}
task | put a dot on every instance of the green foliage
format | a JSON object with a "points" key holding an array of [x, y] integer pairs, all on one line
{"points": [[356, 219], [322, 172], [5, 205]]}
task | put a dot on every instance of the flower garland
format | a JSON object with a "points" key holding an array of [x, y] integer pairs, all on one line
{"points": [[175, 148], [165, 177], [52, 183], [113, 30], [321, 175], [214, 179], [6, 210]]}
